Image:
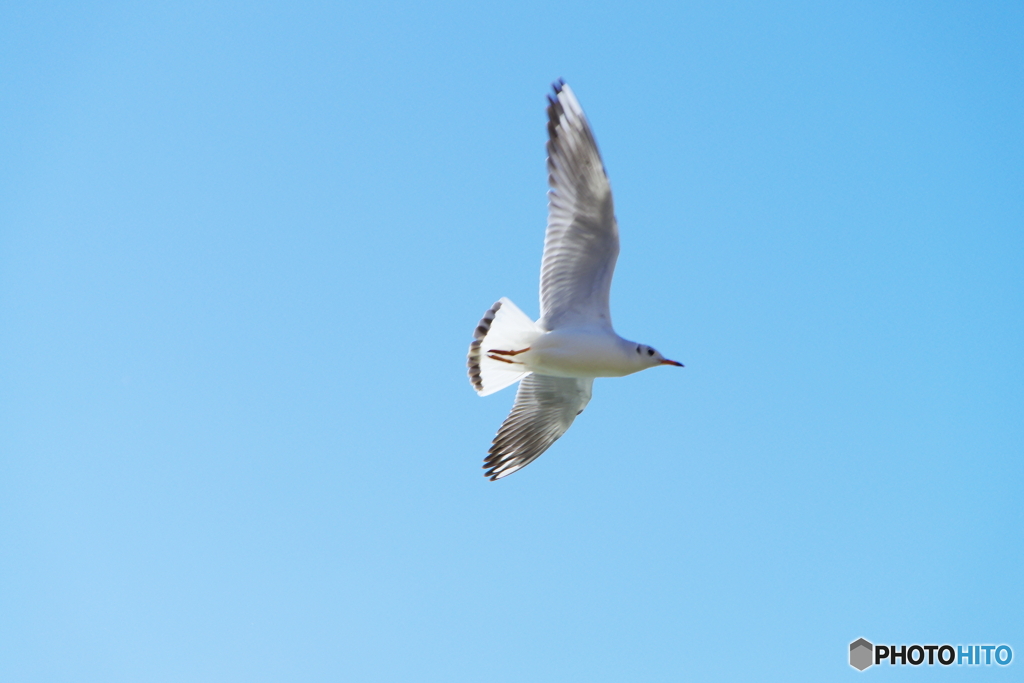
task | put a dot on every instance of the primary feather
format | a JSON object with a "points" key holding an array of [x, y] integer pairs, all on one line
{"points": [[581, 243]]}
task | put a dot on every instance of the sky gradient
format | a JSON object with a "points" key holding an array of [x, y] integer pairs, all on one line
{"points": [[243, 248]]}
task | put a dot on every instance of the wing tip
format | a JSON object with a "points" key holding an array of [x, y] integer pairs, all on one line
{"points": [[567, 120], [556, 107], [500, 470], [503, 457]]}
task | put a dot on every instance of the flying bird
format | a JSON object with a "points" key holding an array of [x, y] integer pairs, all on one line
{"points": [[558, 357]]}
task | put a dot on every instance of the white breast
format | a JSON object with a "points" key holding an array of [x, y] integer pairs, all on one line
{"points": [[581, 353]]}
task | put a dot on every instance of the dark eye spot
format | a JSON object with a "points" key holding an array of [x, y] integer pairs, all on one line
{"points": [[650, 352], [638, 348]]}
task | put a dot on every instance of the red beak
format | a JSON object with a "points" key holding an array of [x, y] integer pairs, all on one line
{"points": [[672, 362]]}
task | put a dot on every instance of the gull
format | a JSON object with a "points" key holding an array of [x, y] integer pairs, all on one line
{"points": [[558, 356]]}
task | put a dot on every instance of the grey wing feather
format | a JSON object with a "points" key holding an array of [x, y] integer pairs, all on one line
{"points": [[581, 244], [545, 408]]}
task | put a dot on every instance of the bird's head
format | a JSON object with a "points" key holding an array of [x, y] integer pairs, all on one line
{"points": [[649, 357]]}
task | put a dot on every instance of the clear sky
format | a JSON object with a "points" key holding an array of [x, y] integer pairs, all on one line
{"points": [[243, 248]]}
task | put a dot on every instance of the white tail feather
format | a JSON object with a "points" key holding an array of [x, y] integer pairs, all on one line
{"points": [[503, 327]]}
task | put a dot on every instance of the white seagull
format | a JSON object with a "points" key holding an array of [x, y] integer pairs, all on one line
{"points": [[558, 357]]}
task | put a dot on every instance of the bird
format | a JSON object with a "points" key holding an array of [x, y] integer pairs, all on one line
{"points": [[556, 358]]}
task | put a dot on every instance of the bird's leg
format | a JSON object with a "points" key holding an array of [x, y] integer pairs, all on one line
{"points": [[491, 354], [509, 353]]}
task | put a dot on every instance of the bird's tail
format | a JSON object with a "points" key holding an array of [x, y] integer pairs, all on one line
{"points": [[504, 327]]}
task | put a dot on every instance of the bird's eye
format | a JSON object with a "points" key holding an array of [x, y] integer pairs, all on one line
{"points": [[650, 352], [638, 348]]}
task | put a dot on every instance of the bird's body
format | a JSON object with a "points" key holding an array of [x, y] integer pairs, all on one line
{"points": [[583, 352], [558, 357]]}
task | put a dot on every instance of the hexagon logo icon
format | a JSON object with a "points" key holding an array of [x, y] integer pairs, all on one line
{"points": [[861, 654]]}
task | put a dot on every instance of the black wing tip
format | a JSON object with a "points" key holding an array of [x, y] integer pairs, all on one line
{"points": [[555, 111], [556, 89], [492, 472], [497, 465]]}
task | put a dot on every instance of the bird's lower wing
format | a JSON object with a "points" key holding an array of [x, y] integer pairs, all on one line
{"points": [[545, 408]]}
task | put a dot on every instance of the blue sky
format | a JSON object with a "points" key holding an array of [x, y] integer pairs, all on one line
{"points": [[243, 247]]}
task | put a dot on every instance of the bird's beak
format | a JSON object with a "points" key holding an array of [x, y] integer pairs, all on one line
{"points": [[672, 362]]}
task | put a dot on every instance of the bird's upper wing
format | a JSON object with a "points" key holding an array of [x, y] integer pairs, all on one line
{"points": [[545, 408], [582, 239]]}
